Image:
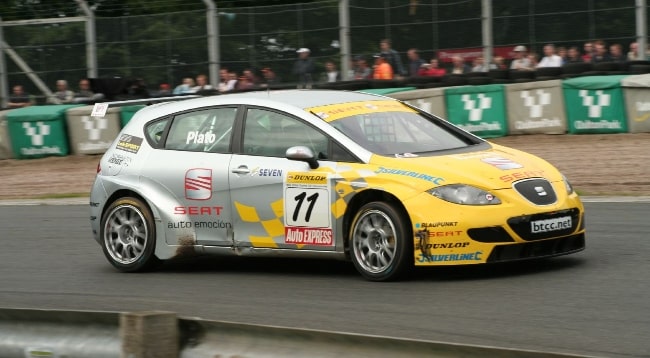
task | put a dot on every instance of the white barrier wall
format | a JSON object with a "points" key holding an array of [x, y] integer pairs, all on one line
{"points": [[91, 135], [5, 144], [430, 100], [536, 108], [636, 91]]}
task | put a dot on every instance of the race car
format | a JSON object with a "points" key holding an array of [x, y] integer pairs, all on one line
{"points": [[324, 174]]}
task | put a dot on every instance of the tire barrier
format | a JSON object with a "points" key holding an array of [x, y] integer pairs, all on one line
{"points": [[514, 105], [26, 333]]}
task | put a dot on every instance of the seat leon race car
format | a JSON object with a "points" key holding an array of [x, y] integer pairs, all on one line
{"points": [[328, 174]]}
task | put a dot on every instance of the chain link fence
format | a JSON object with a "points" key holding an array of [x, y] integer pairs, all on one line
{"points": [[166, 47]]}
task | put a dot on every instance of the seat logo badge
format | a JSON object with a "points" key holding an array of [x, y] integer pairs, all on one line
{"points": [[540, 191], [198, 184]]}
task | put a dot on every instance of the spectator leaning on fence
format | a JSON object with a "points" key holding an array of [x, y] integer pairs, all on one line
{"points": [[226, 82], [432, 69], [19, 98], [573, 55], [616, 53], [415, 62], [303, 68], [633, 55], [62, 95], [244, 84], [521, 61], [202, 84], [251, 76], [499, 63], [382, 69], [85, 93], [479, 65], [164, 89], [392, 57], [550, 59], [269, 78], [533, 59], [361, 69], [600, 52], [588, 49], [331, 73], [459, 66], [562, 52], [185, 87]]}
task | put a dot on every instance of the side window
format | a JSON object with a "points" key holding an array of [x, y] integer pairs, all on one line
{"points": [[341, 155], [270, 133], [155, 130], [207, 130]]}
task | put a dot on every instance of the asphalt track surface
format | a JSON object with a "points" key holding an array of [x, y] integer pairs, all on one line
{"points": [[596, 302]]}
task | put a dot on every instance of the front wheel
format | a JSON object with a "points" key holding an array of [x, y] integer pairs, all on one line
{"points": [[380, 243], [128, 235]]}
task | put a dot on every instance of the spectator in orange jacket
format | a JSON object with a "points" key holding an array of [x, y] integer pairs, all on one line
{"points": [[382, 70]]}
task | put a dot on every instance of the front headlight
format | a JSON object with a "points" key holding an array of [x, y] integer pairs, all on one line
{"points": [[567, 185], [464, 195]]}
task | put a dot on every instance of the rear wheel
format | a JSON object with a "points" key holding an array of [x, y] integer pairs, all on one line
{"points": [[380, 243], [128, 235]]}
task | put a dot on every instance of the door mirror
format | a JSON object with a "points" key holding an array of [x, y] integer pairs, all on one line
{"points": [[303, 154]]}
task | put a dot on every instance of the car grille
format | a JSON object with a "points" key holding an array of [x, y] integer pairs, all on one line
{"points": [[522, 225], [538, 249], [537, 191]]}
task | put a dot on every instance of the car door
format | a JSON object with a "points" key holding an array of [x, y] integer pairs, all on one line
{"points": [[277, 202], [194, 166]]}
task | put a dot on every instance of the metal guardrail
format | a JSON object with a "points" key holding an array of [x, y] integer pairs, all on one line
{"points": [[29, 333]]}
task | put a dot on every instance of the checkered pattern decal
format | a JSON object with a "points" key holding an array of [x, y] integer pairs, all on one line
{"points": [[352, 181], [270, 230], [268, 227]]}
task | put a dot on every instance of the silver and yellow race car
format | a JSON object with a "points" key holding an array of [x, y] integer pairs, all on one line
{"points": [[327, 174]]}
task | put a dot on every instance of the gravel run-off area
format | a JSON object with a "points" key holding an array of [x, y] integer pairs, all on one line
{"points": [[607, 164]]}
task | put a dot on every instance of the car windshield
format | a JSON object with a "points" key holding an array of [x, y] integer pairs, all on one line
{"points": [[399, 133]]}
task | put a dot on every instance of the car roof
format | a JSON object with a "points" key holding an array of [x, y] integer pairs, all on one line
{"points": [[281, 99], [308, 98]]}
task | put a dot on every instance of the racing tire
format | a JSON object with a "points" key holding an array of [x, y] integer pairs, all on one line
{"points": [[380, 244], [128, 235]]}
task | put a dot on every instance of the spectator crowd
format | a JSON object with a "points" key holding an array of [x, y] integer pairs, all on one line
{"points": [[386, 64]]}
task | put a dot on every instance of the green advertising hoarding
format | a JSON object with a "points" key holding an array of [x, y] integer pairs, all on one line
{"points": [[480, 110], [39, 131], [595, 104]]}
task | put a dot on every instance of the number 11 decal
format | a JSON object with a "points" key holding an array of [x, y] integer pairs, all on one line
{"points": [[311, 200], [307, 200]]}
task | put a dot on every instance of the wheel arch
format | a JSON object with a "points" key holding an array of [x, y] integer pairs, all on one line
{"points": [[367, 196], [123, 193], [167, 240]]}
